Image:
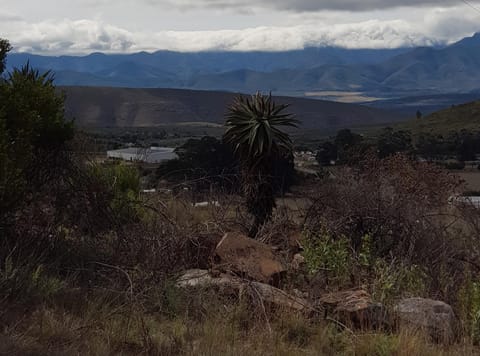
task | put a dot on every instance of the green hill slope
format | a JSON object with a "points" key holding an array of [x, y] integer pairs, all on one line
{"points": [[456, 118]]}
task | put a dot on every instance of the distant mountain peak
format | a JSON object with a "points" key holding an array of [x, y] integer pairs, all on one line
{"points": [[469, 41], [475, 37]]}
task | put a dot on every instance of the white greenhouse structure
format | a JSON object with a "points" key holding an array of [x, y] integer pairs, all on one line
{"points": [[147, 155]]}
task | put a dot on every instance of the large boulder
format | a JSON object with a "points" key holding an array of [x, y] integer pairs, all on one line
{"points": [[241, 256], [431, 316], [355, 309]]}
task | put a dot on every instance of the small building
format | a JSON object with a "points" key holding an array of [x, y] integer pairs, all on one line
{"points": [[473, 201], [146, 155]]}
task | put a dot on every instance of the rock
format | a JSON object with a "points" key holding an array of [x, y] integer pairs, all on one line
{"points": [[300, 294], [280, 298], [195, 278], [227, 284], [245, 257], [354, 309], [198, 278], [298, 262], [432, 316]]}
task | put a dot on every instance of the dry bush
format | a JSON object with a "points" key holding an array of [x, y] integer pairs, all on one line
{"points": [[399, 203], [71, 229], [401, 209]]}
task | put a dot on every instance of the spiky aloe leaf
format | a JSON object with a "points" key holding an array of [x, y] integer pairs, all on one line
{"points": [[252, 126]]}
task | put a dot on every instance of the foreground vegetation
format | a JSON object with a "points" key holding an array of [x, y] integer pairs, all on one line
{"points": [[89, 264]]}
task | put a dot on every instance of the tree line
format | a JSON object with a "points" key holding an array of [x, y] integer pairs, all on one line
{"points": [[348, 147]]}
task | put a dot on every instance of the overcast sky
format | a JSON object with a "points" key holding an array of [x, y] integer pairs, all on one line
{"points": [[121, 26]]}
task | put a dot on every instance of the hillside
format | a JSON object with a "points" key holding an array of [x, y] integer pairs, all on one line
{"points": [[421, 71], [121, 107], [382, 73], [456, 118], [427, 104], [185, 65]]}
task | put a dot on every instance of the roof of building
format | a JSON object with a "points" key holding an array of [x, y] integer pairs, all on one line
{"points": [[150, 155]]}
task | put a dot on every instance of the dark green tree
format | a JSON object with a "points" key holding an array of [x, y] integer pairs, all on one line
{"points": [[4, 49], [327, 152], [253, 129], [33, 130], [346, 142], [390, 142], [467, 146], [205, 161], [208, 163], [431, 147]]}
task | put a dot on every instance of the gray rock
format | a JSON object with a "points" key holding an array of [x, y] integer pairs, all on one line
{"points": [[227, 284], [431, 316]]}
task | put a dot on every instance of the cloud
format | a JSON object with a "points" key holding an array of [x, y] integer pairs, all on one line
{"points": [[9, 18], [66, 36], [70, 37], [370, 34], [303, 5], [446, 24]]}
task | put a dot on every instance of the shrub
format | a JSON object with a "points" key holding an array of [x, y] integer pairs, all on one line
{"points": [[395, 201], [398, 210], [394, 280], [455, 165], [469, 308], [123, 183], [342, 267], [330, 255], [28, 282]]}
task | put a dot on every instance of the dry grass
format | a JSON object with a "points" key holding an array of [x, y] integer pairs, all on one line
{"points": [[131, 307], [99, 327]]}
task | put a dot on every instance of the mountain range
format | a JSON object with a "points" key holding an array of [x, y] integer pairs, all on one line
{"points": [[374, 73]]}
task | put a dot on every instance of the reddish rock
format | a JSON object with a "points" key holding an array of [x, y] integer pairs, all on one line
{"points": [[242, 256]]}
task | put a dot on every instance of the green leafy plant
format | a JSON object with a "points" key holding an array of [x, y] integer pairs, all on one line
{"points": [[393, 280], [123, 183], [341, 264], [322, 252], [26, 281]]}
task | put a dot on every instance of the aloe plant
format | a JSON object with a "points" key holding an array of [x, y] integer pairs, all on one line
{"points": [[253, 129]]}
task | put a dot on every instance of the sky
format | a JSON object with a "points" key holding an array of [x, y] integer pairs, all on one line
{"points": [[77, 27]]}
